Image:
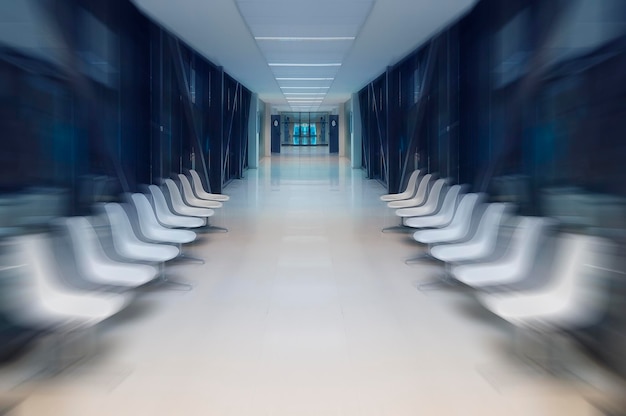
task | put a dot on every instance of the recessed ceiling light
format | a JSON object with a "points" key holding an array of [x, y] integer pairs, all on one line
{"points": [[304, 65], [300, 38], [304, 88], [305, 79], [304, 93]]}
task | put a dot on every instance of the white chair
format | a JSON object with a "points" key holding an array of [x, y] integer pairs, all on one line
{"points": [[458, 229], [94, 265], [429, 207], [191, 199], [44, 302], [409, 191], [419, 198], [166, 217], [150, 227], [199, 189], [573, 298], [152, 230], [128, 245], [481, 244], [516, 262], [441, 220], [443, 216], [179, 206]]}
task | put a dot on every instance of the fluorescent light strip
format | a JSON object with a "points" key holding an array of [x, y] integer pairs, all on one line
{"points": [[305, 79], [303, 88], [304, 93], [304, 65], [301, 38]]}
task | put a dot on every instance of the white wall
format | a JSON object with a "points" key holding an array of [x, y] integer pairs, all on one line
{"points": [[253, 133], [355, 148], [268, 130], [342, 131]]}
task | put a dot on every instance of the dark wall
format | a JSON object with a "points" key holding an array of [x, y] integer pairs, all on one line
{"points": [[123, 103]]}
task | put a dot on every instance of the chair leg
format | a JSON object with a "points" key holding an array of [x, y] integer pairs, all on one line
{"points": [[164, 280], [214, 228], [193, 259], [425, 255], [435, 284], [174, 285], [439, 282], [183, 256], [208, 228], [396, 228]]}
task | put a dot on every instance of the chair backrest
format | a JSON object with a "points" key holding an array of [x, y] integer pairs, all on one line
{"points": [[187, 191], [121, 227], [87, 248], [435, 194], [422, 190], [35, 249], [449, 204], [175, 195], [487, 232], [145, 214], [576, 282], [197, 182], [418, 198], [411, 184], [524, 244], [462, 220], [159, 203]]}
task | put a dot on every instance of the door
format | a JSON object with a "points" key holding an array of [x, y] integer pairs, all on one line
{"points": [[333, 140], [275, 134]]}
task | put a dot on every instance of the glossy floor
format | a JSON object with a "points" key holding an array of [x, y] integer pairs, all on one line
{"points": [[303, 308]]}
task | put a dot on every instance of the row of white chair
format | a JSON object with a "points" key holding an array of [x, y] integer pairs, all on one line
{"points": [[464, 233], [145, 232]]}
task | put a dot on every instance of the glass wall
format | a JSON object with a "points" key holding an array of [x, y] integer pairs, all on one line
{"points": [[524, 100], [304, 129], [116, 103]]}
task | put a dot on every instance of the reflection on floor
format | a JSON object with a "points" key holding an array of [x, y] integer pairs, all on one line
{"points": [[303, 308]]}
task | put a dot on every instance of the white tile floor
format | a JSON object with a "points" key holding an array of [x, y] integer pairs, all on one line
{"points": [[304, 308]]}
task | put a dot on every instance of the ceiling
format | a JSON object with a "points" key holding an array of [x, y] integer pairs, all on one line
{"points": [[304, 55]]}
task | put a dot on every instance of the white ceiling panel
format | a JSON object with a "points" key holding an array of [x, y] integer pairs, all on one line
{"points": [[304, 72], [227, 32], [305, 51]]}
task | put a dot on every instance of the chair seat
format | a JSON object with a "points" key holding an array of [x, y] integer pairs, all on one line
{"points": [[46, 302], [166, 217], [93, 263], [514, 265], [170, 235], [86, 308], [197, 186], [458, 227], [121, 274], [573, 296], [150, 227], [450, 253], [192, 199], [430, 221], [180, 207], [138, 250], [128, 245], [486, 274], [411, 188], [430, 206]]}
